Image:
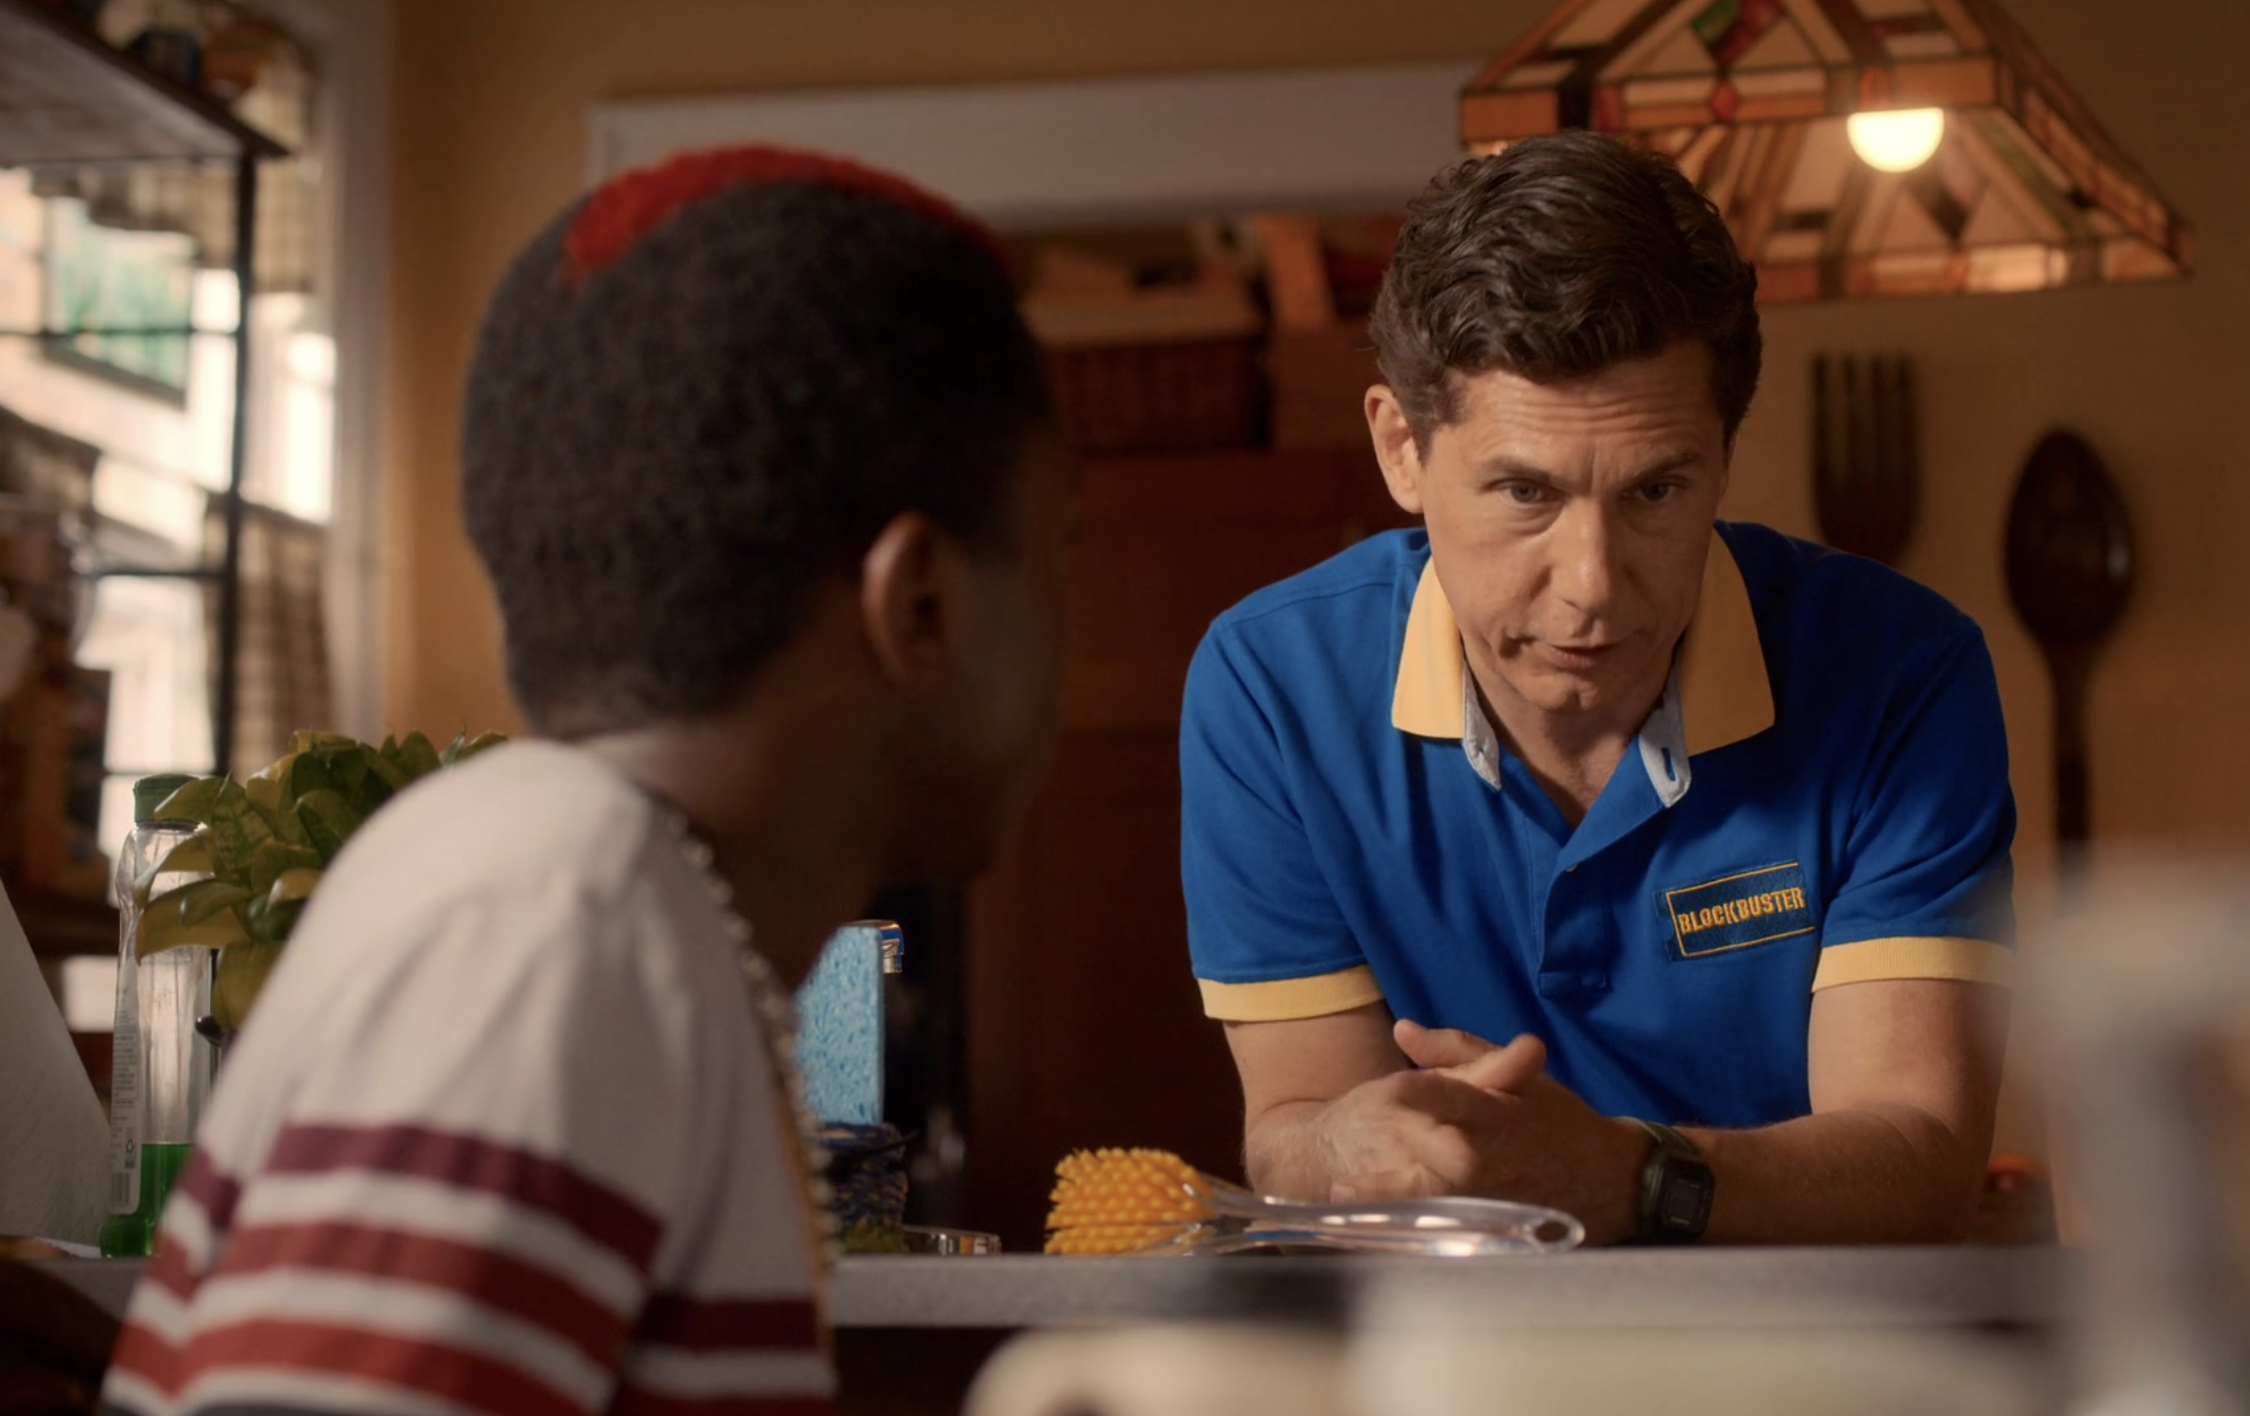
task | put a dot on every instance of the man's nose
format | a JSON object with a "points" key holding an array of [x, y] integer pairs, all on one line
{"points": [[1585, 571]]}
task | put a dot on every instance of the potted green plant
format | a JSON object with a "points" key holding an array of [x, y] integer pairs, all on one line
{"points": [[265, 842]]}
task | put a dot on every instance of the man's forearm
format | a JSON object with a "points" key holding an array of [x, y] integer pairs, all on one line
{"points": [[1285, 1155], [1876, 1174], [1881, 1173], [1898, 1159]]}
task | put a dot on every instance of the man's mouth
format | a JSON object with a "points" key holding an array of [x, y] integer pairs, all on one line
{"points": [[1577, 657]]}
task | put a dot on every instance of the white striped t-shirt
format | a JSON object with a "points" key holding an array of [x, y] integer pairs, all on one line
{"points": [[502, 1136]]}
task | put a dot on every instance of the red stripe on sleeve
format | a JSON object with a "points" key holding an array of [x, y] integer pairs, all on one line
{"points": [[467, 1379], [594, 1209], [141, 1353], [216, 1192], [497, 1282], [169, 1270]]}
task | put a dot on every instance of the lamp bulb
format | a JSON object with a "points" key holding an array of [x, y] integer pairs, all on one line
{"points": [[1898, 140]]}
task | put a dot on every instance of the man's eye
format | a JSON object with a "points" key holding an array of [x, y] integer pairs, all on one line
{"points": [[1524, 493], [1658, 492]]}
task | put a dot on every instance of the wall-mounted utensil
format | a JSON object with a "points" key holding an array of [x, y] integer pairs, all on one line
{"points": [[2070, 574], [1866, 454]]}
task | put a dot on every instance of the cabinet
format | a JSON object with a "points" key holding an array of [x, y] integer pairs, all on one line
{"points": [[68, 100], [1084, 1027]]}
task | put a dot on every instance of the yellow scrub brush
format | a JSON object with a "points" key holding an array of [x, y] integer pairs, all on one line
{"points": [[1152, 1202]]}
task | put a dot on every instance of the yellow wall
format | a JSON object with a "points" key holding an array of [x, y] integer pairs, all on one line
{"points": [[490, 140]]}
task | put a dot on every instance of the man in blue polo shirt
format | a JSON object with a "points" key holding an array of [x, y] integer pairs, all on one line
{"points": [[1712, 823]]}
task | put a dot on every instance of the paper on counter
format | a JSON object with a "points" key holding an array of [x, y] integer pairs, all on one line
{"points": [[54, 1144]]}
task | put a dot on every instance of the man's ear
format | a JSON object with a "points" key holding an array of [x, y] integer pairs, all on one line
{"points": [[1394, 448], [909, 585]]}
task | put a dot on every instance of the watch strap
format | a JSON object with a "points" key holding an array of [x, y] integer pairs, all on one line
{"points": [[1676, 1184]]}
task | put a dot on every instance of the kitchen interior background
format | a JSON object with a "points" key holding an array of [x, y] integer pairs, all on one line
{"points": [[467, 126]]}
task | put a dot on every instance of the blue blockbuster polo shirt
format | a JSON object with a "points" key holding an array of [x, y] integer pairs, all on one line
{"points": [[1821, 798]]}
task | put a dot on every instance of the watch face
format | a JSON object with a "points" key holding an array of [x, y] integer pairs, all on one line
{"points": [[1682, 1205], [1675, 1189]]}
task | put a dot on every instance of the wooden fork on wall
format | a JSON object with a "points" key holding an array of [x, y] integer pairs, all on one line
{"points": [[1866, 454]]}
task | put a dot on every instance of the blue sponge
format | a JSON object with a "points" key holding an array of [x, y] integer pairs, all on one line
{"points": [[840, 1023]]}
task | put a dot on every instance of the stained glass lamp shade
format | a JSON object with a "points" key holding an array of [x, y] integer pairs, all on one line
{"points": [[2022, 192]]}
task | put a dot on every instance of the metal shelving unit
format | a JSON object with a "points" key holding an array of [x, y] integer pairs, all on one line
{"points": [[68, 99]]}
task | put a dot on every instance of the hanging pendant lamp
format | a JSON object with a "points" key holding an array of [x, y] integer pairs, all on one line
{"points": [[1856, 147]]}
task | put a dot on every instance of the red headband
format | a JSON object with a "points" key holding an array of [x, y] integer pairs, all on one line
{"points": [[628, 207]]}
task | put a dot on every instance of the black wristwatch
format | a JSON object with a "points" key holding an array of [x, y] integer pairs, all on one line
{"points": [[1675, 1188]]}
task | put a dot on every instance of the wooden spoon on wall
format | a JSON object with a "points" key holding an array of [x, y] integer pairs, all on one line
{"points": [[2070, 574]]}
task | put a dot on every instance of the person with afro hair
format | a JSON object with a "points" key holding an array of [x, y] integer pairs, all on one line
{"points": [[760, 460]]}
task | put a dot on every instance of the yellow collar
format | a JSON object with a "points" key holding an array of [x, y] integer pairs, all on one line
{"points": [[1724, 693]]}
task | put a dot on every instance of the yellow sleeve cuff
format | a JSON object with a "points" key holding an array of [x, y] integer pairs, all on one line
{"points": [[1872, 960], [1286, 999]]}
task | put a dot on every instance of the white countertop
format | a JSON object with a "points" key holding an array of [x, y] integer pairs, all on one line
{"points": [[1997, 1288], [1771, 1287]]}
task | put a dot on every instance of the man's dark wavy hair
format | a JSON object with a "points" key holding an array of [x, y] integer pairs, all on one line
{"points": [[1553, 260], [701, 393]]}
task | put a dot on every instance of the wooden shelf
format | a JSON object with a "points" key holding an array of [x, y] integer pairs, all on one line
{"points": [[67, 97]]}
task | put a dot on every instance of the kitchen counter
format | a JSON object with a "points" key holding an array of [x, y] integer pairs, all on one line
{"points": [[912, 1332], [2011, 1288]]}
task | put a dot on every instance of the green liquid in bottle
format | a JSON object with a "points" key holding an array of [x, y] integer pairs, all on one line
{"points": [[133, 1236]]}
